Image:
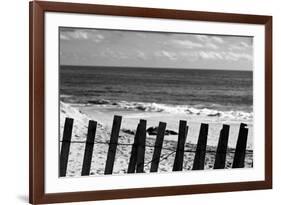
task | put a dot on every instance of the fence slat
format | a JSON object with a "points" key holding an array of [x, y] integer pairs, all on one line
{"points": [[199, 160], [222, 148], [141, 147], [67, 132], [183, 129], [158, 147], [89, 148], [113, 145], [133, 158], [240, 151]]}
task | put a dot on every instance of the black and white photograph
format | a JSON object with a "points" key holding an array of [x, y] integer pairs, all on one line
{"points": [[153, 102]]}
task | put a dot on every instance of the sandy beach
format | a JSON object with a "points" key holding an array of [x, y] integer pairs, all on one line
{"points": [[103, 115]]}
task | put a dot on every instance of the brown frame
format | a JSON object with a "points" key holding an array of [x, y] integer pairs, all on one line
{"points": [[36, 101]]}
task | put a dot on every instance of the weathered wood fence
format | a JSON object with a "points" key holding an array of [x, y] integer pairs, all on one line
{"points": [[136, 161]]}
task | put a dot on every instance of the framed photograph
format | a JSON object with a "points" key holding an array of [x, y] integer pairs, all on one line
{"points": [[139, 102]]}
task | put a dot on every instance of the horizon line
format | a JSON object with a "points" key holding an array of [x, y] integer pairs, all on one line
{"points": [[146, 67]]}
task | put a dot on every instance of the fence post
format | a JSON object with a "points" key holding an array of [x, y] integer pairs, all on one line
{"points": [[89, 148], [183, 129], [158, 147], [67, 131], [141, 147], [133, 158], [222, 148], [199, 159], [113, 145], [240, 151]]}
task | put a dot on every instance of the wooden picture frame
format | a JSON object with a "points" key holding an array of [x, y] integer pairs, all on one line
{"points": [[37, 10]]}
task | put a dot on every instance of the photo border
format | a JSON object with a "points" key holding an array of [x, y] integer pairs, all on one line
{"points": [[37, 101]]}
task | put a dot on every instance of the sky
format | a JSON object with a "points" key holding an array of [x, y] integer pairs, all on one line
{"points": [[100, 47]]}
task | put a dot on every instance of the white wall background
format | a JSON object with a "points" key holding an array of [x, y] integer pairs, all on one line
{"points": [[14, 100]]}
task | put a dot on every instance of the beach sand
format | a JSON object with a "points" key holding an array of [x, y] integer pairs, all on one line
{"points": [[104, 117]]}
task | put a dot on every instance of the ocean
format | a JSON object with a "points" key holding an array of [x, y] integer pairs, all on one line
{"points": [[218, 93], [214, 97]]}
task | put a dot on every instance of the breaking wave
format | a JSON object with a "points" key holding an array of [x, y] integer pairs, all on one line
{"points": [[185, 109]]}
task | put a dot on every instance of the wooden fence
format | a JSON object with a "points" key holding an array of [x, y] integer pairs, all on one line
{"points": [[136, 161]]}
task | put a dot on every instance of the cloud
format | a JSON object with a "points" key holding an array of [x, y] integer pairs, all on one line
{"points": [[97, 38], [235, 48], [228, 56], [141, 55], [210, 42], [64, 37], [237, 56], [209, 38], [78, 34], [244, 44], [167, 54], [202, 38], [109, 53], [187, 43], [97, 46], [211, 55], [212, 46], [82, 34], [190, 56], [239, 47], [217, 39]]}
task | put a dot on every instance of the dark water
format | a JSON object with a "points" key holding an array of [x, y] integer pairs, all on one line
{"points": [[214, 89]]}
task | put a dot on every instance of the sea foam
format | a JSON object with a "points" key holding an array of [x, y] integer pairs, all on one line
{"points": [[176, 109]]}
